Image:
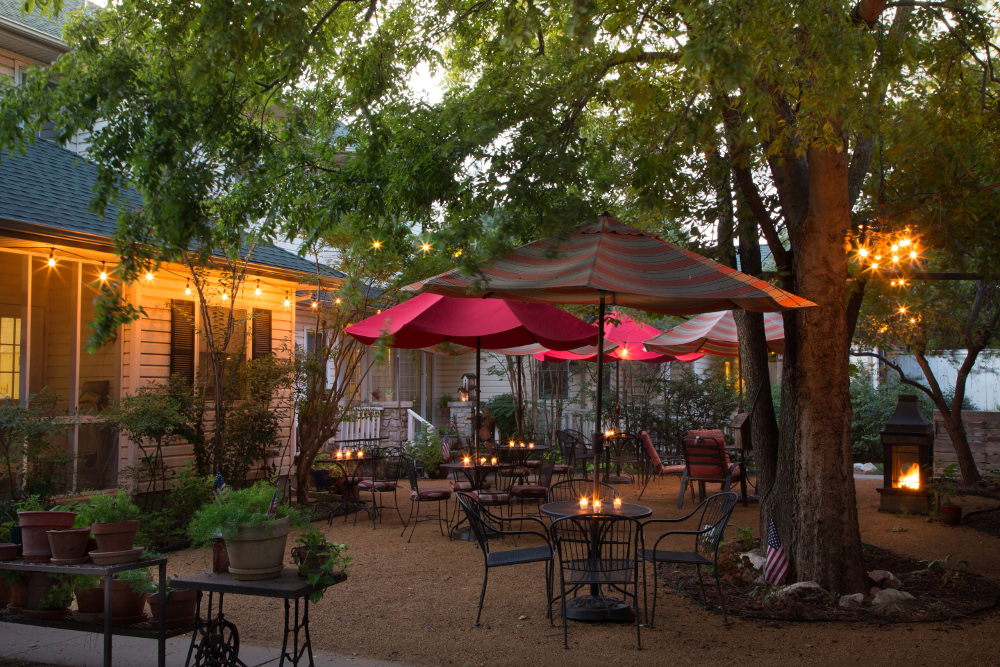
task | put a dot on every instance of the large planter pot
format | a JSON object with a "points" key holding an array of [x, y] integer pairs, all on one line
{"points": [[90, 600], [8, 550], [69, 546], [258, 553], [127, 606], [4, 594], [18, 596], [34, 526], [115, 537], [179, 609], [951, 515], [38, 588]]}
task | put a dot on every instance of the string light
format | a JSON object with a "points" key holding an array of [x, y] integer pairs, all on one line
{"points": [[149, 276], [52, 259], [187, 287], [902, 310], [337, 301], [287, 301], [225, 296], [376, 244], [315, 301], [256, 290], [104, 273], [426, 247]]}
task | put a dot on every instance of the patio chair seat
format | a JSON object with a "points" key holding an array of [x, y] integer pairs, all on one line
{"points": [[519, 556], [466, 485], [380, 485], [430, 494], [533, 464], [516, 471], [530, 491], [562, 469], [681, 557], [490, 497]]}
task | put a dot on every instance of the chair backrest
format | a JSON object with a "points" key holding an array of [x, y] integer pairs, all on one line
{"points": [[714, 513], [411, 473], [479, 519], [654, 456], [618, 537], [574, 489], [705, 458], [576, 435], [545, 473]]}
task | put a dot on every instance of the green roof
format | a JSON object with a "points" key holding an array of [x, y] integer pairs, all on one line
{"points": [[52, 187], [11, 10]]}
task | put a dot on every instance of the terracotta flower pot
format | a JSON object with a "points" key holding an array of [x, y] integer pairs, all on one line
{"points": [[115, 537], [69, 544], [258, 553], [125, 603], [34, 526], [8, 550], [4, 594], [90, 600], [39, 586], [18, 596], [179, 609], [951, 515]]}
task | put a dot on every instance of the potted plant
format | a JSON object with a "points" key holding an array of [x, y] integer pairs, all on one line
{"points": [[426, 450], [321, 562], [115, 521], [255, 540], [35, 522], [11, 581], [129, 590], [43, 596], [8, 549], [377, 394], [945, 489], [179, 609], [89, 597]]}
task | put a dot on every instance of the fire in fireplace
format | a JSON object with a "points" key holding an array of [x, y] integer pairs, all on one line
{"points": [[907, 443]]}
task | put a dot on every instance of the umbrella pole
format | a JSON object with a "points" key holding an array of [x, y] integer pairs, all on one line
{"points": [[475, 417], [598, 433]]}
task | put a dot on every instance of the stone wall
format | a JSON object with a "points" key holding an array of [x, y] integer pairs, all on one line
{"points": [[461, 416], [393, 426]]}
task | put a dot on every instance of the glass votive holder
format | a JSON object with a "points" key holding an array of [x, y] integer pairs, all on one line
{"points": [[493, 461], [465, 460], [617, 503], [531, 445], [482, 460], [583, 503], [597, 505]]}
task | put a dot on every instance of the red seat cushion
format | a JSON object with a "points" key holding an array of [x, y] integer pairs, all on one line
{"points": [[465, 485], [561, 468], [431, 494], [533, 464], [380, 485], [670, 470], [654, 456], [530, 491], [491, 497]]}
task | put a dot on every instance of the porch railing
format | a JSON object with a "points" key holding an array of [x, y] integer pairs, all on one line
{"points": [[365, 428], [414, 421]]}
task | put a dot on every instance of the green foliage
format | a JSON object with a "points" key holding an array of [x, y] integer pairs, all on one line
{"points": [[949, 572], [501, 408], [84, 581], [426, 449], [139, 580], [189, 492], [331, 559], [945, 488], [253, 431], [109, 509], [871, 407], [746, 537], [245, 509], [31, 461], [60, 593], [698, 401]]}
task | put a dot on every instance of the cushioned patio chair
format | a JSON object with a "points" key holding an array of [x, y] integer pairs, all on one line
{"points": [[418, 497], [659, 467], [706, 460], [537, 492]]}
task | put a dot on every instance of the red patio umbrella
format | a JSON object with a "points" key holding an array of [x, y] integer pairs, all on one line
{"points": [[714, 333], [431, 319], [607, 259]]}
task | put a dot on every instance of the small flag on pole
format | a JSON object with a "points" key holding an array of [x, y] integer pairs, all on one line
{"points": [[219, 490], [273, 508], [776, 565]]}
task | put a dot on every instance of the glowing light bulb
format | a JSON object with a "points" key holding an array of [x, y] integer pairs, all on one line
{"points": [[874, 266], [426, 247], [913, 320], [894, 247], [256, 290], [315, 304], [52, 260], [863, 252], [187, 289], [376, 244], [878, 257], [337, 301], [104, 273], [149, 276], [287, 301], [895, 258], [913, 254], [225, 297], [904, 243], [902, 310]]}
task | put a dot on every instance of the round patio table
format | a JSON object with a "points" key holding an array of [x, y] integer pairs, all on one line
{"points": [[476, 473], [595, 607]]}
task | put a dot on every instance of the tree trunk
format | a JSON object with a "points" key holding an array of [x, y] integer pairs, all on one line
{"points": [[826, 545]]}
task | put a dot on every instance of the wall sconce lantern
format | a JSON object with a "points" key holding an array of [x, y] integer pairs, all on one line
{"points": [[469, 385]]}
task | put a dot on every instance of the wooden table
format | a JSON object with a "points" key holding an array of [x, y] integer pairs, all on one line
{"points": [[216, 640], [160, 632], [596, 607]]}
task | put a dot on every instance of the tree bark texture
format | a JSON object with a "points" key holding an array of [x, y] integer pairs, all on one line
{"points": [[827, 541]]}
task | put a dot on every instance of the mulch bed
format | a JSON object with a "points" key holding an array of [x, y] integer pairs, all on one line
{"points": [[940, 596], [988, 521]]}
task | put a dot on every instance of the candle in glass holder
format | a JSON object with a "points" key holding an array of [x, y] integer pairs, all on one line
{"points": [[597, 505], [482, 460], [465, 460], [340, 454], [347, 454], [531, 445], [522, 444], [583, 503], [493, 461], [361, 454], [618, 503]]}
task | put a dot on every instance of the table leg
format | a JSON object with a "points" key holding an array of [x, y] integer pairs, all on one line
{"points": [[219, 639], [108, 590], [161, 629], [293, 624]]}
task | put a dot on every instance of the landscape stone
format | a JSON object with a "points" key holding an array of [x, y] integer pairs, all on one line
{"points": [[849, 601], [890, 599], [885, 579], [804, 591], [865, 468]]}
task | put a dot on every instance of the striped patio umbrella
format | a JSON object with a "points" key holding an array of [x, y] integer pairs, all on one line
{"points": [[608, 260], [714, 333]]}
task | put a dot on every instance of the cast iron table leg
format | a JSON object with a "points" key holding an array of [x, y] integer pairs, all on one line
{"points": [[161, 626], [297, 651], [108, 589]]}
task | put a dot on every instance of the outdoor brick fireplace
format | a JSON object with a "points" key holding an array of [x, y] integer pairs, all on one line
{"points": [[907, 441]]}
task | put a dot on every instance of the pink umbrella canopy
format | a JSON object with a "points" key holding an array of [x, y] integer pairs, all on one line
{"points": [[430, 319], [628, 336], [714, 333]]}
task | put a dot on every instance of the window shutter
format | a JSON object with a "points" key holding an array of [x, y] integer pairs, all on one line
{"points": [[182, 339], [261, 333]]}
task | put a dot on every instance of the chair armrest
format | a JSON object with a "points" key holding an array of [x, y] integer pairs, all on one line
{"points": [[528, 532], [511, 519], [682, 532]]}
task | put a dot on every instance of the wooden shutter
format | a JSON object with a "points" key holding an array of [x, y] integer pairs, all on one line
{"points": [[182, 340], [261, 333]]}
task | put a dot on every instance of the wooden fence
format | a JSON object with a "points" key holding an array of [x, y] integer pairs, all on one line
{"points": [[983, 431]]}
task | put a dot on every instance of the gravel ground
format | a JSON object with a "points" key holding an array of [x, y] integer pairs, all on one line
{"points": [[415, 603]]}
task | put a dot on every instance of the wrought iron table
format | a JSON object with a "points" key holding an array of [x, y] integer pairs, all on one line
{"points": [[107, 572], [216, 640], [596, 607]]}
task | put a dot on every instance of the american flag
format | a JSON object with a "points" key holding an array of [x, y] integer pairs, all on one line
{"points": [[219, 490], [273, 507], [776, 565]]}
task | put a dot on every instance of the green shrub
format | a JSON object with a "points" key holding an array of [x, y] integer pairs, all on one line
{"points": [[140, 580], [501, 409], [425, 448], [189, 494], [245, 508], [108, 509]]}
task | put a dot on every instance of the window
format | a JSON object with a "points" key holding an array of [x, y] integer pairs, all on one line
{"points": [[553, 379], [10, 357], [182, 339]]}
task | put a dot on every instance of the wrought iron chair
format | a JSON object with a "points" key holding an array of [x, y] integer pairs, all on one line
{"points": [[598, 550], [537, 492], [388, 468], [574, 489], [417, 497], [489, 528], [706, 460], [710, 519], [573, 448], [659, 467]]}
